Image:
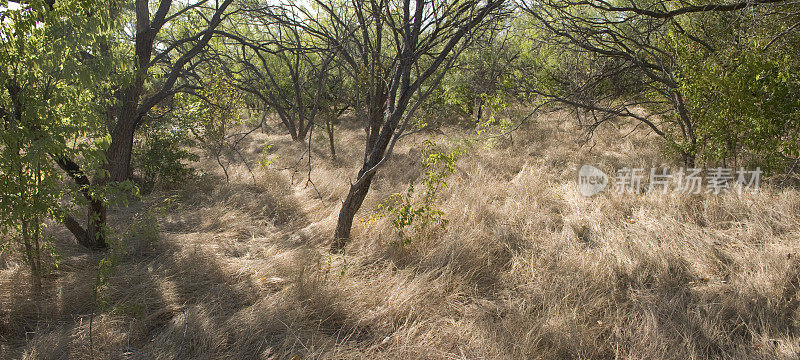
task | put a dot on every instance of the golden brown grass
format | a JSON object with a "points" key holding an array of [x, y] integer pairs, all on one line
{"points": [[527, 268]]}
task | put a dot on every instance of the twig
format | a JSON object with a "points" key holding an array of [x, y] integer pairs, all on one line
{"points": [[185, 327], [791, 170], [308, 177], [780, 36], [217, 156], [522, 122], [246, 164], [91, 342]]}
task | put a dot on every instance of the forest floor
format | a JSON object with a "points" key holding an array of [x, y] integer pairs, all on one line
{"points": [[526, 267]]}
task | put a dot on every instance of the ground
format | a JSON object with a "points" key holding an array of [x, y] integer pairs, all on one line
{"points": [[526, 267]]}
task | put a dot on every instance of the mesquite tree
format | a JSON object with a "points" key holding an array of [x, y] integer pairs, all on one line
{"points": [[159, 61], [397, 53], [52, 49], [268, 55], [659, 62]]}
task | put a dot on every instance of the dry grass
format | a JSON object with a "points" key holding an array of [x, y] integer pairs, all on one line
{"points": [[527, 268]]}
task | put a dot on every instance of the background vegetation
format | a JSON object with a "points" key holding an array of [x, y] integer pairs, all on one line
{"points": [[381, 178]]}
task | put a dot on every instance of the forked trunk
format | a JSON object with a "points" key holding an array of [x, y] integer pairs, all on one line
{"points": [[689, 159]]}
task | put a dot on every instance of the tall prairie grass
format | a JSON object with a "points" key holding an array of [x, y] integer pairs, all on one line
{"points": [[526, 268]]}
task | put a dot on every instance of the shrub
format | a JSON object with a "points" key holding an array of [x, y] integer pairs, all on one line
{"points": [[412, 213], [161, 154]]}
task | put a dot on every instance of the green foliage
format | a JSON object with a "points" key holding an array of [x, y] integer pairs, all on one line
{"points": [[746, 103], [485, 70], [412, 214], [218, 113], [719, 87], [266, 159], [50, 85], [213, 112], [161, 152], [495, 125], [105, 269]]}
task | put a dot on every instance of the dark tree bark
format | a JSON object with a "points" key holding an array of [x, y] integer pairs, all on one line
{"points": [[355, 198], [329, 128], [132, 106], [120, 152], [624, 40], [121, 149], [395, 91], [81, 237], [93, 237]]}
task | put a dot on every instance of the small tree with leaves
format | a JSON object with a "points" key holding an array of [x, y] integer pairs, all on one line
{"points": [[414, 213], [50, 121]]}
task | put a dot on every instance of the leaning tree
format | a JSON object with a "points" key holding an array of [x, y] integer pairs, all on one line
{"points": [[396, 53]]}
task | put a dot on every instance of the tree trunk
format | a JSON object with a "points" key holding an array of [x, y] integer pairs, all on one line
{"points": [[303, 129], [120, 152], [477, 109], [351, 204], [32, 256], [81, 236], [93, 237], [375, 151], [119, 158], [689, 159], [95, 234], [329, 128]]}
